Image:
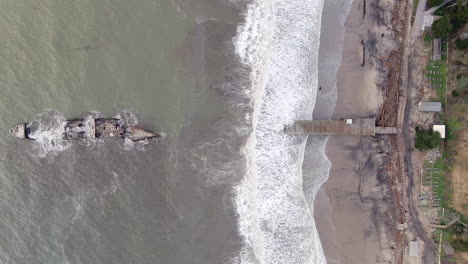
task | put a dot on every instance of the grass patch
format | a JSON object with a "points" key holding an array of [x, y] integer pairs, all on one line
{"points": [[436, 74], [453, 235], [462, 83], [438, 179], [434, 176], [427, 39], [462, 108], [453, 124], [444, 51], [439, 164]]}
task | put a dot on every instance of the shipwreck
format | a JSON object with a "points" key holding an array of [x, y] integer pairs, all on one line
{"points": [[90, 128]]}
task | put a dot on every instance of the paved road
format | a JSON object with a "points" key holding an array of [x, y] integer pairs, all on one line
{"points": [[418, 21]]}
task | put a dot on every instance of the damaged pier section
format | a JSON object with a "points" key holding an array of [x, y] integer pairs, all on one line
{"points": [[346, 127]]}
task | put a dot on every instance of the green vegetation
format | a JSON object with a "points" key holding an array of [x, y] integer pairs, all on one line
{"points": [[459, 15], [442, 27], [438, 174], [462, 108], [438, 181], [435, 178], [436, 73], [428, 39], [460, 245], [452, 126], [454, 236], [439, 164], [452, 19], [461, 44], [444, 50], [462, 83], [432, 3], [441, 11], [427, 139]]}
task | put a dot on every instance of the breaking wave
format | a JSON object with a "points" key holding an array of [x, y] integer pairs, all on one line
{"points": [[280, 42], [47, 130]]}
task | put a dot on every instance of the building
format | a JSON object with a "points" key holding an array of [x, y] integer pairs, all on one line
{"points": [[437, 49], [428, 19], [440, 129], [414, 249], [430, 106]]}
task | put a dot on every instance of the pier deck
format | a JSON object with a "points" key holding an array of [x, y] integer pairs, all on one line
{"points": [[356, 127]]}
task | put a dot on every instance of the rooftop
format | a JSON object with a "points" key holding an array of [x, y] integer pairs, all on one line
{"points": [[428, 20], [436, 49], [440, 129], [430, 106], [413, 248]]}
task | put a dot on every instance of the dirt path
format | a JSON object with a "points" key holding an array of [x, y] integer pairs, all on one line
{"points": [[409, 75], [415, 223]]}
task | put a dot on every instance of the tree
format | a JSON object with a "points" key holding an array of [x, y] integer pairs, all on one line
{"points": [[427, 139], [442, 27], [461, 43], [455, 93], [432, 3], [459, 15]]}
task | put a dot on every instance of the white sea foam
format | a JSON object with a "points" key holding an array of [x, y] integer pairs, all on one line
{"points": [[47, 129], [127, 118], [280, 41]]}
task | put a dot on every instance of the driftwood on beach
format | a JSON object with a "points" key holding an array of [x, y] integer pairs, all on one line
{"points": [[363, 53]]}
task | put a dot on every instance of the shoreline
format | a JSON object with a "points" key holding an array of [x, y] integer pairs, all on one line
{"points": [[351, 207]]}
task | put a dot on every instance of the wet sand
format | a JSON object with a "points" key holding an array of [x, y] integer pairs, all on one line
{"points": [[348, 208]]}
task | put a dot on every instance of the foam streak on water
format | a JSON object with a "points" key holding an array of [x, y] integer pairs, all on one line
{"points": [[274, 217]]}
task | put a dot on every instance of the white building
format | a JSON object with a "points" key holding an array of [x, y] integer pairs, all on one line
{"points": [[428, 19], [440, 129], [413, 249]]}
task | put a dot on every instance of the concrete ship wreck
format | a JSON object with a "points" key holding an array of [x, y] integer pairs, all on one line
{"points": [[76, 129]]}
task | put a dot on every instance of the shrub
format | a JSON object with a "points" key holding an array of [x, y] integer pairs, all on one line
{"points": [[460, 245], [455, 93], [442, 27], [461, 44], [433, 3], [427, 139], [459, 15]]}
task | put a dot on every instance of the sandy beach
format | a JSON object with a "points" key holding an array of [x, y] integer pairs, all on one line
{"points": [[352, 207]]}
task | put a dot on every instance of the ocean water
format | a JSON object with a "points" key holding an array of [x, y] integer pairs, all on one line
{"points": [[220, 78], [168, 66]]}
